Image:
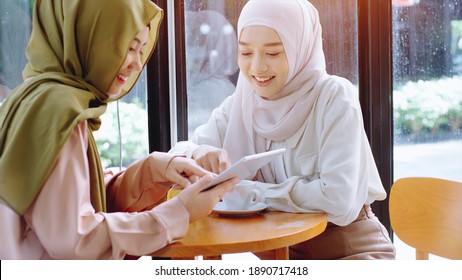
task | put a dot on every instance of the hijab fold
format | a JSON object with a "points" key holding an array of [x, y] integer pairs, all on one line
{"points": [[75, 51]]}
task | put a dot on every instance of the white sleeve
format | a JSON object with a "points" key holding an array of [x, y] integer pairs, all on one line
{"points": [[68, 227], [342, 180]]}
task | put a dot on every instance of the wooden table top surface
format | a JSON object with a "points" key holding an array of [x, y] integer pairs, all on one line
{"points": [[216, 235]]}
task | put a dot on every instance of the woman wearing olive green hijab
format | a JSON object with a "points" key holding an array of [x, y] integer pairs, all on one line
{"points": [[55, 201]]}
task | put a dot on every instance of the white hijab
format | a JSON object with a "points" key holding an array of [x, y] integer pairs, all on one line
{"points": [[253, 120]]}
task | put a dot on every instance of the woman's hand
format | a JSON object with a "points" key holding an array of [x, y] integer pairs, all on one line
{"points": [[183, 171], [211, 158], [200, 203]]}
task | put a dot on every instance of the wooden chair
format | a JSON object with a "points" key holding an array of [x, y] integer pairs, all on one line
{"points": [[426, 214]]}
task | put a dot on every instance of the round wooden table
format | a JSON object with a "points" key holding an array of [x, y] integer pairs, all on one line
{"points": [[216, 235]]}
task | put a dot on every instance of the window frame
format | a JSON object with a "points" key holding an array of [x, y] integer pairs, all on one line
{"points": [[158, 102], [375, 90]]}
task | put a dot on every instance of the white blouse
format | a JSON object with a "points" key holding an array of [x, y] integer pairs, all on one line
{"points": [[328, 164], [62, 224]]}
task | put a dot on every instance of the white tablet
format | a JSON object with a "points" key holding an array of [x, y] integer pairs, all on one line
{"points": [[246, 166]]}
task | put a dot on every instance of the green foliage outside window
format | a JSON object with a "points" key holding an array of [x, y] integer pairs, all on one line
{"points": [[429, 107], [133, 120]]}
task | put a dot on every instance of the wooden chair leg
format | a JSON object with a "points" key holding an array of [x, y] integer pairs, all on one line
{"points": [[419, 255]]}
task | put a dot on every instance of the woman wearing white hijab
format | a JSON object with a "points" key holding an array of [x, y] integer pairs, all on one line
{"points": [[285, 99]]}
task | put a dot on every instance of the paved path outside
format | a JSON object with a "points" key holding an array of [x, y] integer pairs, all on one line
{"points": [[441, 159]]}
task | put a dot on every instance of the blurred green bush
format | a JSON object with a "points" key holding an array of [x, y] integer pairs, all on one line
{"points": [[134, 133], [429, 107]]}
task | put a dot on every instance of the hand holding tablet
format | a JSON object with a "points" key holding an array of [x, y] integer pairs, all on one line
{"points": [[246, 166]]}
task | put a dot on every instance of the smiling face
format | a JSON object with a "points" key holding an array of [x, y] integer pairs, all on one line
{"points": [[263, 61], [132, 62]]}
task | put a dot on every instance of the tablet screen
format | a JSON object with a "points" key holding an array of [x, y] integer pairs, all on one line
{"points": [[246, 166]]}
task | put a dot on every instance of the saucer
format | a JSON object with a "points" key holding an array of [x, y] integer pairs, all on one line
{"points": [[220, 208]]}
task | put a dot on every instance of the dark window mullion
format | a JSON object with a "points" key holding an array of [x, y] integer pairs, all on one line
{"points": [[158, 90], [375, 89], [180, 57]]}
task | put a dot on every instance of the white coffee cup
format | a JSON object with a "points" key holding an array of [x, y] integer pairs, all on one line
{"points": [[242, 196]]}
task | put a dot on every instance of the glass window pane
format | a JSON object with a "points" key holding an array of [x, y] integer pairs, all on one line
{"points": [[427, 91], [211, 58], [339, 21], [15, 28], [211, 49]]}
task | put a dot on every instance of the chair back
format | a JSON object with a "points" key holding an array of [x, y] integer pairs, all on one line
{"points": [[426, 214]]}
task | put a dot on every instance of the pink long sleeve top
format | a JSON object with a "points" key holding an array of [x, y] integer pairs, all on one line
{"points": [[62, 224]]}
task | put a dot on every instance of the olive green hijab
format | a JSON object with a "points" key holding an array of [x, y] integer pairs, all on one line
{"points": [[75, 52]]}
